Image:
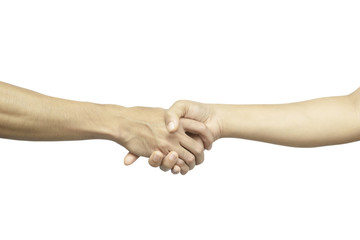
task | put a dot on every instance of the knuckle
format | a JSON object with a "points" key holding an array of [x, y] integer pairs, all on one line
{"points": [[202, 127], [191, 159], [196, 150], [180, 163], [180, 102], [199, 149], [200, 161], [182, 120], [212, 139], [164, 146]]}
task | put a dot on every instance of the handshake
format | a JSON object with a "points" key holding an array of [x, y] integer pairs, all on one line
{"points": [[176, 138], [173, 139]]}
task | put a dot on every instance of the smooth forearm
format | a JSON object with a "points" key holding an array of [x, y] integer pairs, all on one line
{"points": [[317, 122], [27, 115]]}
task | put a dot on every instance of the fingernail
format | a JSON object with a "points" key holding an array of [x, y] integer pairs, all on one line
{"points": [[156, 158], [172, 157], [171, 126], [176, 170]]}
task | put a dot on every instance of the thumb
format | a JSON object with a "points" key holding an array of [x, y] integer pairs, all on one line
{"points": [[130, 158], [175, 112]]}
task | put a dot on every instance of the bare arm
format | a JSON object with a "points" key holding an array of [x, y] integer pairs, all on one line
{"points": [[318, 122], [28, 115]]}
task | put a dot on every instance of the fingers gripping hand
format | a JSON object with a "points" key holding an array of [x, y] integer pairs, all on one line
{"points": [[199, 129], [203, 113], [157, 159], [143, 131], [195, 144], [186, 155]]}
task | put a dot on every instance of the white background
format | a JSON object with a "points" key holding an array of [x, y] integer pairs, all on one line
{"points": [[151, 53]]}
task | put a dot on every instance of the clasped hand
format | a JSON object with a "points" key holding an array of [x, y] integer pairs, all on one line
{"points": [[173, 139]]}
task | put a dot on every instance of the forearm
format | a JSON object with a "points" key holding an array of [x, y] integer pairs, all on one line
{"points": [[27, 115], [317, 122]]}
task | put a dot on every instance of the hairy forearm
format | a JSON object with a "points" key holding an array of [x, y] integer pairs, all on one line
{"points": [[27, 115], [318, 122]]}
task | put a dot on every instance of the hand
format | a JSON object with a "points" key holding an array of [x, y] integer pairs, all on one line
{"points": [[204, 113], [172, 161], [145, 132], [180, 111], [157, 159]]}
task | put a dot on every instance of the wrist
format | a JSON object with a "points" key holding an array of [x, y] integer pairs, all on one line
{"points": [[218, 116], [222, 114], [214, 120], [109, 122]]}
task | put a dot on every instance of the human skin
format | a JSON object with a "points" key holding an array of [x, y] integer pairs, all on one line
{"points": [[28, 115], [197, 131], [312, 123]]}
